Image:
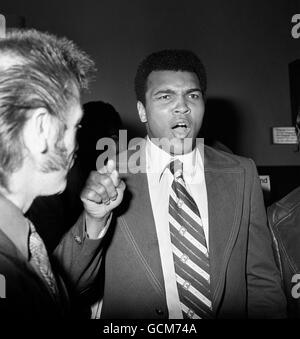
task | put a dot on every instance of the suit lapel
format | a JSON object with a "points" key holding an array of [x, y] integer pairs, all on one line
{"points": [[141, 228], [138, 218], [225, 196]]}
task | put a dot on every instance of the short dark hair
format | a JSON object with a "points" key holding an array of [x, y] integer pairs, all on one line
{"points": [[43, 71], [168, 60]]}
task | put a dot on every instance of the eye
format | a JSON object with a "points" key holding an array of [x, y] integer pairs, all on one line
{"points": [[194, 95], [164, 97]]}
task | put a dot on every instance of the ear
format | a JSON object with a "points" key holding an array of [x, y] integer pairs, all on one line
{"points": [[38, 130], [142, 112]]}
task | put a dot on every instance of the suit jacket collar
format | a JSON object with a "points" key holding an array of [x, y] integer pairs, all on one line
{"points": [[14, 225]]}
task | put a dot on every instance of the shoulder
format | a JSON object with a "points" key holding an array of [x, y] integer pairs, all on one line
{"points": [[11, 266], [283, 208], [214, 158], [22, 290]]}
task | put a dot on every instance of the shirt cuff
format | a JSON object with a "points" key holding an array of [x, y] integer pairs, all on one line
{"points": [[102, 232]]}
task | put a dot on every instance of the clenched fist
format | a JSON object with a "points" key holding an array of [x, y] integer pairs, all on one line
{"points": [[102, 193]]}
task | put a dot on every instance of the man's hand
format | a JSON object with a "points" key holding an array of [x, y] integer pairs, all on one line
{"points": [[102, 193]]}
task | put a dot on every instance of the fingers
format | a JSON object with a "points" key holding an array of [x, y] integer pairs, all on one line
{"points": [[114, 175], [103, 191], [101, 188], [108, 189], [115, 178], [111, 166], [91, 195]]}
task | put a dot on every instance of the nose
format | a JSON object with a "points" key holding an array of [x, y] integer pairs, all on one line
{"points": [[182, 106]]}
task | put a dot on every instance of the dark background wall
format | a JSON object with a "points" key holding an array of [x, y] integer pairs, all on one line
{"points": [[245, 45]]}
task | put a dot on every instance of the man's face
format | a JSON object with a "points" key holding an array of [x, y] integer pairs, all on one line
{"points": [[174, 110], [61, 154], [74, 116]]}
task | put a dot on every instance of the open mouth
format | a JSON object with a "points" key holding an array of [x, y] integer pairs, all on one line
{"points": [[180, 125], [181, 129]]}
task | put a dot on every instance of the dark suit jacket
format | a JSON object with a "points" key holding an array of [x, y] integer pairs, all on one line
{"points": [[244, 277], [284, 221], [75, 263]]}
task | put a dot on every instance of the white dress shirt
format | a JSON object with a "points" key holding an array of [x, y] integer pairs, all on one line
{"points": [[159, 183]]}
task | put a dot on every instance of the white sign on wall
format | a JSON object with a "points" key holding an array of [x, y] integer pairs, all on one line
{"points": [[2, 26], [265, 182], [284, 135]]}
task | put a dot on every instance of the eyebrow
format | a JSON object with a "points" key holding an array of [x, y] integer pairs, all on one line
{"points": [[164, 91], [196, 89], [170, 91]]}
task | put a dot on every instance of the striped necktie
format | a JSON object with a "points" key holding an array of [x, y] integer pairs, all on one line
{"points": [[190, 252], [40, 260]]}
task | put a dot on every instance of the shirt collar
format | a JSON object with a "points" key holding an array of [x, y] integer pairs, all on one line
{"points": [[158, 160], [14, 225]]}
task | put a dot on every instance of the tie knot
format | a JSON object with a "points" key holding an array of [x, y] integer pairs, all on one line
{"points": [[176, 168]]}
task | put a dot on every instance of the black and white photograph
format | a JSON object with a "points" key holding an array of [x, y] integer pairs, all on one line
{"points": [[149, 164]]}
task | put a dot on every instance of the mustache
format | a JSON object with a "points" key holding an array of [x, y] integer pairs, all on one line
{"points": [[58, 159]]}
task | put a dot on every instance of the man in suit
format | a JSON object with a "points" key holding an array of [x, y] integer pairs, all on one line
{"points": [[41, 78], [188, 242]]}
